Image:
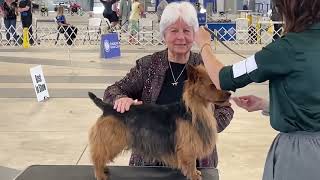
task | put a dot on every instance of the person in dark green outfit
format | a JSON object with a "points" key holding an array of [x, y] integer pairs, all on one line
{"points": [[292, 66]]}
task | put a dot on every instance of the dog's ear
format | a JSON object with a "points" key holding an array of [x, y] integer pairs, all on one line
{"points": [[192, 73]]}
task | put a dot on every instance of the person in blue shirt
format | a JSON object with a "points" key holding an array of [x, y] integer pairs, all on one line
{"points": [[291, 65], [61, 19], [68, 30]]}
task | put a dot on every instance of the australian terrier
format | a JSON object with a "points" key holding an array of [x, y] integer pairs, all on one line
{"points": [[176, 134]]}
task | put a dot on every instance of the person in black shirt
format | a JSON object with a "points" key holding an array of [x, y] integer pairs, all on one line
{"points": [[109, 13], [275, 16], [10, 18], [26, 17]]}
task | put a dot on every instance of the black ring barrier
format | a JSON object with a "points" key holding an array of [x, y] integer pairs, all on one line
{"points": [[85, 172]]}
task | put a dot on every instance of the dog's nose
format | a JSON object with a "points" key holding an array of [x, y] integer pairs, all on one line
{"points": [[228, 94]]}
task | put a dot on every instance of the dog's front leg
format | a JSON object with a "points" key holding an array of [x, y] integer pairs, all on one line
{"points": [[99, 171], [187, 165]]}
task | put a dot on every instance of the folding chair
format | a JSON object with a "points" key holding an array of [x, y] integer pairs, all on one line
{"points": [[94, 27], [113, 29], [110, 29]]}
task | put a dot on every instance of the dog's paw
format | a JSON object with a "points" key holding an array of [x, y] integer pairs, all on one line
{"points": [[101, 177], [104, 177], [196, 176], [198, 172], [184, 172]]}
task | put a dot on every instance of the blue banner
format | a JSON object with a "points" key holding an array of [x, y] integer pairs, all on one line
{"points": [[202, 19], [226, 31], [110, 46]]}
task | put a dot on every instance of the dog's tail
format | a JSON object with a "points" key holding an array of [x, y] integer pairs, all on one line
{"points": [[97, 100]]}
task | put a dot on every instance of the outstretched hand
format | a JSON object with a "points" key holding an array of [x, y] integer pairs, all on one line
{"points": [[251, 103], [123, 104]]}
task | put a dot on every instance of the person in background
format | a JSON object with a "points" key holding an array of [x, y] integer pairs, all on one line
{"points": [[276, 17], [10, 12], [245, 7], [108, 12], [25, 9], [161, 6], [137, 10], [291, 65], [159, 78], [68, 30], [116, 8], [125, 10]]}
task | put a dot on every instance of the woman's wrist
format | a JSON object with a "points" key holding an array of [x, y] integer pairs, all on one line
{"points": [[265, 108]]}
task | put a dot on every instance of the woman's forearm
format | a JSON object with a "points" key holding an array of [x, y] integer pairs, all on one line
{"points": [[24, 9], [212, 64], [223, 116]]}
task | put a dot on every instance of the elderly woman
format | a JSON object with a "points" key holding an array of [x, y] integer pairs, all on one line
{"points": [[125, 9], [159, 78]]}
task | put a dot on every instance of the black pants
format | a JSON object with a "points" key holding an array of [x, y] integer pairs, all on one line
{"points": [[27, 23], [277, 31], [70, 33], [10, 25]]}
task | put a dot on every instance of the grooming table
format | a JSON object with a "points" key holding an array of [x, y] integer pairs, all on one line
{"points": [[85, 172]]}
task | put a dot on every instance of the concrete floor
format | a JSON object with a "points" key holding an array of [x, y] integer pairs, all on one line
{"points": [[55, 131]]}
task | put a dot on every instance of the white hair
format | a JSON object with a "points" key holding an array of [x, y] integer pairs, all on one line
{"points": [[176, 10]]}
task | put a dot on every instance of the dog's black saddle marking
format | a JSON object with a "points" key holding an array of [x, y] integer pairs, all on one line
{"points": [[152, 126]]}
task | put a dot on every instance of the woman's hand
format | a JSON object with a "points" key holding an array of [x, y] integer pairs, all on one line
{"points": [[202, 37], [123, 104], [251, 103]]}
